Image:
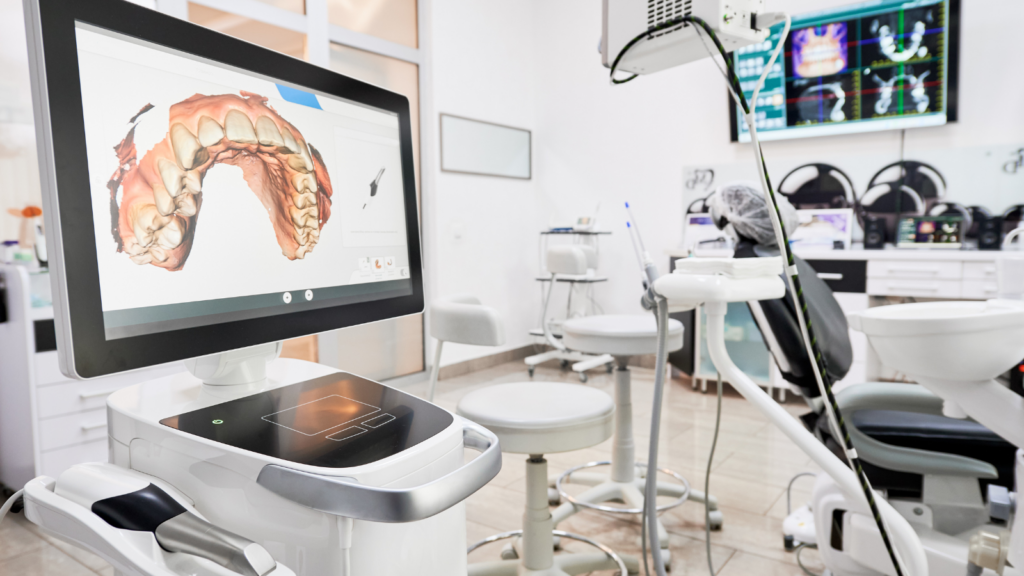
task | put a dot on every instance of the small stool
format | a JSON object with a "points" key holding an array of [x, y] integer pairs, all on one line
{"points": [[623, 336], [538, 418]]}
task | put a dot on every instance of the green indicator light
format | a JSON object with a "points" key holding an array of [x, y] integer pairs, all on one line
{"points": [[218, 421]]}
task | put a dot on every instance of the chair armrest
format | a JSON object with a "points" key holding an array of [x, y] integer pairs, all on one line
{"points": [[904, 398]]}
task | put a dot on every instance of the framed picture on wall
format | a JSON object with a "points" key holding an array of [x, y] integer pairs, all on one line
{"points": [[484, 148]]}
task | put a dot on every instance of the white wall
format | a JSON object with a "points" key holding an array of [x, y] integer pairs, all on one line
{"points": [[535, 64], [484, 229]]}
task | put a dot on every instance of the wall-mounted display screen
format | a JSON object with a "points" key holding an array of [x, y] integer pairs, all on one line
{"points": [[882, 65]]}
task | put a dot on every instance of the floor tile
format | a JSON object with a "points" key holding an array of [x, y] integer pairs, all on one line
{"points": [[16, 538], [44, 561], [744, 564]]}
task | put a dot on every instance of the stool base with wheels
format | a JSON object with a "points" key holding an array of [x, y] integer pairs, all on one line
{"points": [[622, 336], [536, 418]]}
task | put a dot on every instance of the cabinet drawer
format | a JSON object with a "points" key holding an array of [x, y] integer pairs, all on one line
{"points": [[980, 289], [54, 462], [75, 396], [980, 271], [48, 368], [915, 269], [842, 275], [72, 429], [914, 287]]}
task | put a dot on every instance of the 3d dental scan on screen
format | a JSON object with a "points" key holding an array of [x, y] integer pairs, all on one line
{"points": [[254, 324]]}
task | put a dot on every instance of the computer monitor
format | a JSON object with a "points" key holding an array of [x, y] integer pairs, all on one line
{"points": [[880, 65], [931, 232], [203, 194]]}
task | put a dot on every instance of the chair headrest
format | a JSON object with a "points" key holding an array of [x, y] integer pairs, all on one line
{"points": [[463, 320]]}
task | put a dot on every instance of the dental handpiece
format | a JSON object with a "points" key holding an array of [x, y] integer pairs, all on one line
{"points": [[373, 188], [128, 500]]}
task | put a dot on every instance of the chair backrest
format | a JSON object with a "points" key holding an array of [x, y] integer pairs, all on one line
{"points": [[571, 259], [777, 322], [463, 320]]}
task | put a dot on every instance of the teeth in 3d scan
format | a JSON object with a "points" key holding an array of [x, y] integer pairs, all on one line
{"points": [[161, 195]]}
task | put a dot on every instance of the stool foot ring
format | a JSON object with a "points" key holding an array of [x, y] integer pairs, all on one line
{"points": [[586, 561], [684, 491]]}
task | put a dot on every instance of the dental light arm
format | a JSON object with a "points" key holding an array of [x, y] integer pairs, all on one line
{"points": [[651, 52]]}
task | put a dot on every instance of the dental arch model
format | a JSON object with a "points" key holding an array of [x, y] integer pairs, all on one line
{"points": [[887, 42], [836, 88], [917, 92], [161, 196]]}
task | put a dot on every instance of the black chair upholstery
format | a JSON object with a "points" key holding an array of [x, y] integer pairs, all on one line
{"points": [[827, 318]]}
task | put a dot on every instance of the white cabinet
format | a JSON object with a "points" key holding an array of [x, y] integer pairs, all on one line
{"points": [[48, 422]]}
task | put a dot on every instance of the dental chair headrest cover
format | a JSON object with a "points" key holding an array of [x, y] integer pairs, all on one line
{"points": [[740, 209]]}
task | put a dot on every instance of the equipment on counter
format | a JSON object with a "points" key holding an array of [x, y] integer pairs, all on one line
{"points": [[907, 188]]}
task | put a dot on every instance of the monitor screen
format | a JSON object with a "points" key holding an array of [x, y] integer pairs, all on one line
{"points": [[881, 65], [219, 194], [203, 194], [930, 232]]}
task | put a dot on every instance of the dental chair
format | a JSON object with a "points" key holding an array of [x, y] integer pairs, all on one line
{"points": [[947, 470], [532, 418]]}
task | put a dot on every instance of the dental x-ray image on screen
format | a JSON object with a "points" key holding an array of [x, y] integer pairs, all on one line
{"points": [[873, 66]]}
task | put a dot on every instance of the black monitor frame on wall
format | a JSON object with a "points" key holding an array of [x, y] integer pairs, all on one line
{"points": [[873, 66]]}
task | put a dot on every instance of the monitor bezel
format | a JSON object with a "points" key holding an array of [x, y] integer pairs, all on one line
{"points": [[84, 350], [952, 87]]}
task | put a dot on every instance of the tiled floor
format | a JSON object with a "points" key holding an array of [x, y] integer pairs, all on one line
{"points": [[753, 463]]}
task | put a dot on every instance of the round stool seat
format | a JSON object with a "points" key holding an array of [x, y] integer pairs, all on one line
{"points": [[619, 334], [541, 417]]}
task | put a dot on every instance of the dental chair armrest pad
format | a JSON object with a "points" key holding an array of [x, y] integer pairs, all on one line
{"points": [[904, 398], [463, 320]]}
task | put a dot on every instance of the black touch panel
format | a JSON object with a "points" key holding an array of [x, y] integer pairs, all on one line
{"points": [[337, 421]]}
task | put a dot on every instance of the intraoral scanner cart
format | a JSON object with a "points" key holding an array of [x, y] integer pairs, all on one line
{"points": [[205, 197]]}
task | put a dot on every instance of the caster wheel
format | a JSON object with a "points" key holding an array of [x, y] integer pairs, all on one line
{"points": [[583, 377], [509, 553], [716, 520], [556, 543], [554, 498], [609, 367], [563, 364], [530, 370], [666, 557]]}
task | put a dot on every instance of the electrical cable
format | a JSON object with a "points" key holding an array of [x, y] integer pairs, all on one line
{"points": [[707, 478], [789, 489], [800, 563], [9, 504], [807, 331]]}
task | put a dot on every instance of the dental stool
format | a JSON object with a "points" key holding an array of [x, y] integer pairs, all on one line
{"points": [[538, 418], [622, 336]]}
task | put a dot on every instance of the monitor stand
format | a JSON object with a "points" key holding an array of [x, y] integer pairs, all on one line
{"points": [[242, 366]]}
